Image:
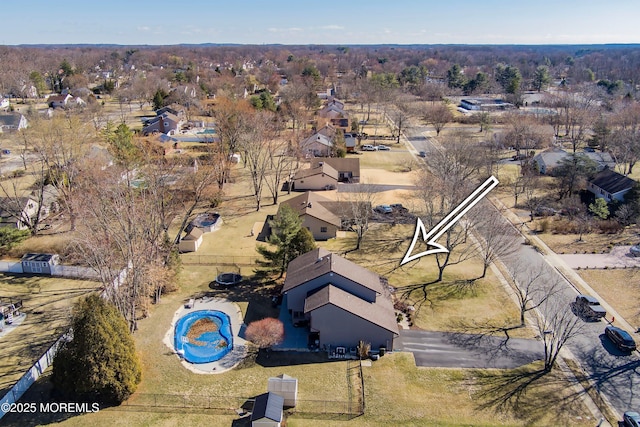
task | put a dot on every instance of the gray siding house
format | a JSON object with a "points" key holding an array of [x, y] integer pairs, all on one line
{"points": [[343, 302], [610, 185]]}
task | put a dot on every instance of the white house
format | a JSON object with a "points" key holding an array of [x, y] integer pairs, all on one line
{"points": [[317, 145], [10, 122]]}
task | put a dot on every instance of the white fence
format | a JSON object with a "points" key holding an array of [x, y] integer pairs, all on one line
{"points": [[27, 380], [23, 384], [74, 271]]}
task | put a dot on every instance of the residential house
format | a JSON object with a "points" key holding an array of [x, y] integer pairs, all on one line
{"points": [[17, 212], [166, 123], [317, 145], [348, 167], [610, 185], [39, 263], [267, 410], [334, 112], [320, 176], [4, 103], [321, 216], [59, 101], [11, 122], [342, 301], [550, 159]]}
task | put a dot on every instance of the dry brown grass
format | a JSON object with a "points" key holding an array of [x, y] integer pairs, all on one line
{"points": [[47, 303], [619, 287]]}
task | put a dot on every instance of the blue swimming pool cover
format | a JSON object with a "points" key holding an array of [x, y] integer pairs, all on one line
{"points": [[203, 336]]}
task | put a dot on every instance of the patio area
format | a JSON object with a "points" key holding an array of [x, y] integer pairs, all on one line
{"points": [[295, 338]]}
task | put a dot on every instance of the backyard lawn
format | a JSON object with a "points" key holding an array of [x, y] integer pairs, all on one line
{"points": [[47, 303]]}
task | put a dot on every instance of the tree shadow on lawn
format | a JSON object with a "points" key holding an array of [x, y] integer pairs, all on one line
{"points": [[41, 393], [257, 294], [524, 392]]}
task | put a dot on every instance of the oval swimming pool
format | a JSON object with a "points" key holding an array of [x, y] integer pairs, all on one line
{"points": [[203, 336]]}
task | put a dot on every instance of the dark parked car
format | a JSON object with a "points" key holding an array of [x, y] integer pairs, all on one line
{"points": [[621, 338], [631, 419], [422, 154], [589, 308], [384, 209]]}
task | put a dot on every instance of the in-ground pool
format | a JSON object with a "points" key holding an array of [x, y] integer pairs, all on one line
{"points": [[203, 336]]}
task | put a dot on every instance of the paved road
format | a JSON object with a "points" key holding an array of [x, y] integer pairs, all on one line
{"points": [[615, 375], [376, 188], [451, 350]]}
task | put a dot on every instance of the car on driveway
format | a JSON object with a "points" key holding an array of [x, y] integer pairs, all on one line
{"points": [[631, 419], [382, 148], [368, 147], [635, 250], [383, 209], [397, 207], [620, 338], [422, 154]]}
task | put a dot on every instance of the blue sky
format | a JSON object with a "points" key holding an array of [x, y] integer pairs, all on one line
{"points": [[162, 22]]}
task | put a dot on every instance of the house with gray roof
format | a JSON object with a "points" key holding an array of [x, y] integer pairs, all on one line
{"points": [[11, 122], [550, 159], [610, 185], [317, 145], [342, 301]]}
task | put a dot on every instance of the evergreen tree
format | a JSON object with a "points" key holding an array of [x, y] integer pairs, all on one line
{"points": [[289, 239], [100, 361], [9, 237]]}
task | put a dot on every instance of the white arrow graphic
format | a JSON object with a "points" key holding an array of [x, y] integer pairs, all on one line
{"points": [[446, 223]]}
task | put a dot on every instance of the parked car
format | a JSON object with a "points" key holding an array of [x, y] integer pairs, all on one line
{"points": [[631, 419], [635, 250], [382, 148], [368, 147], [383, 209], [422, 154], [589, 308], [620, 338]]}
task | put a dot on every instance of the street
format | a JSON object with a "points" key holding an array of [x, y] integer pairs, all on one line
{"points": [[615, 375]]}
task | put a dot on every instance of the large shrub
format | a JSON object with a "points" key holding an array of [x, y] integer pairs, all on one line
{"points": [[100, 362]]}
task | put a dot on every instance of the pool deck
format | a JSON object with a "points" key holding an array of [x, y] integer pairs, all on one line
{"points": [[230, 360]]}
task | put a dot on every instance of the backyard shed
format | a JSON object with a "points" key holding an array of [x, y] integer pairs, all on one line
{"points": [[39, 263], [267, 410], [285, 386], [191, 241]]}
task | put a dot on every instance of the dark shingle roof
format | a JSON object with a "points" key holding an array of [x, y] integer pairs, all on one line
{"points": [[319, 261], [37, 257], [379, 313], [268, 405], [612, 182]]}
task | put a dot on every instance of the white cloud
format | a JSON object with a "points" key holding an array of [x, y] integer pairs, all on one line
{"points": [[144, 28]]}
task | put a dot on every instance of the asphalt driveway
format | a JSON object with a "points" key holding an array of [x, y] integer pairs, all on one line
{"points": [[454, 350]]}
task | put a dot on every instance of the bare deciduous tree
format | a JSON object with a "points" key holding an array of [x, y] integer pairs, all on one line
{"points": [[496, 237], [557, 326]]}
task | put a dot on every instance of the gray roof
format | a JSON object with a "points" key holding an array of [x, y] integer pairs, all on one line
{"points": [[37, 257], [319, 138], [320, 261], [379, 313], [612, 182], [10, 119], [268, 405]]}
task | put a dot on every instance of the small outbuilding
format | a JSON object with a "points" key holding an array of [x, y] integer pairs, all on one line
{"points": [[285, 386], [191, 241], [39, 263], [267, 410]]}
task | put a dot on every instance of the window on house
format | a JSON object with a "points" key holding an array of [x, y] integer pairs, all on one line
{"points": [[323, 229]]}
